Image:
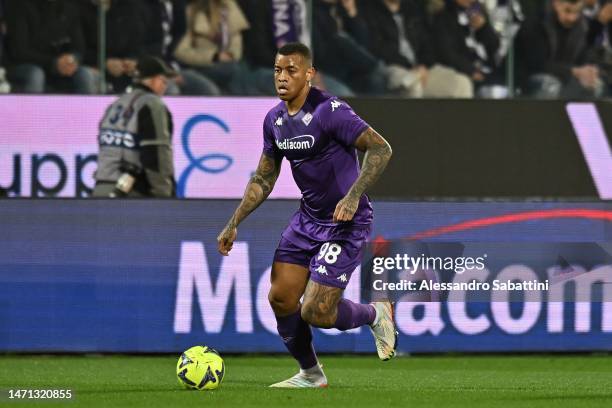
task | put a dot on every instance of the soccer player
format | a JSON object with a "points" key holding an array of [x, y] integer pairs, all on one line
{"points": [[322, 245]]}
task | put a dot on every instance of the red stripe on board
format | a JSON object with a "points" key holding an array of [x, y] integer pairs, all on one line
{"points": [[512, 218]]}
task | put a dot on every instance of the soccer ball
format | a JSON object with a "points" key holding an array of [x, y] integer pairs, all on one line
{"points": [[200, 368]]}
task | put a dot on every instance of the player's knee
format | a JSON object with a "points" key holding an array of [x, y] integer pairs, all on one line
{"points": [[281, 303]]}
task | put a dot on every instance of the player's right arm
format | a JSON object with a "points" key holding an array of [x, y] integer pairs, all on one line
{"points": [[258, 189]]}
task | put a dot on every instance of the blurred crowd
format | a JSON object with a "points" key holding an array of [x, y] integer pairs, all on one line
{"points": [[405, 48]]}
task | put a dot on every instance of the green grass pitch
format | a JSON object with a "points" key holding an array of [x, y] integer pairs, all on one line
{"points": [[430, 381]]}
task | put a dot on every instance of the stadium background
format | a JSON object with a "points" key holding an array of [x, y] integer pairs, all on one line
{"points": [[82, 280], [147, 274]]}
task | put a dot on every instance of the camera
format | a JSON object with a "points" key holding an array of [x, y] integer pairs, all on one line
{"points": [[125, 182]]}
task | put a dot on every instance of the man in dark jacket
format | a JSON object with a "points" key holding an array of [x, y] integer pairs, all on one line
{"points": [[127, 25], [599, 39], [552, 53], [400, 35], [390, 20], [467, 42], [46, 47], [259, 47], [340, 44]]}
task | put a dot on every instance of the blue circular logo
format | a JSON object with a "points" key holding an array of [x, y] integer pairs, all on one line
{"points": [[205, 163]]}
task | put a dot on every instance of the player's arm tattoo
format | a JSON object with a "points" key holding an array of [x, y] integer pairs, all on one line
{"points": [[320, 304], [377, 154], [258, 189]]}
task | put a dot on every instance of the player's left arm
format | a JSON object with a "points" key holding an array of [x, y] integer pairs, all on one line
{"points": [[377, 154]]}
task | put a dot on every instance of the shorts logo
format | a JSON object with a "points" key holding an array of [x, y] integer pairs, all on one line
{"points": [[322, 270], [297, 143], [307, 119], [342, 278]]}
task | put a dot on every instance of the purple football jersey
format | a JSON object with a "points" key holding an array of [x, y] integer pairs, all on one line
{"points": [[318, 142]]}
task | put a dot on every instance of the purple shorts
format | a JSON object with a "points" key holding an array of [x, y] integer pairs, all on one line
{"points": [[331, 252]]}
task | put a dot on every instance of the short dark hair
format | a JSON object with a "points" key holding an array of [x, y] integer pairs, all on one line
{"points": [[296, 48]]}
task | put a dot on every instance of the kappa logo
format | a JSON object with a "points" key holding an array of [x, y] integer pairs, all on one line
{"points": [[335, 105], [342, 278], [307, 119], [322, 270], [279, 121]]}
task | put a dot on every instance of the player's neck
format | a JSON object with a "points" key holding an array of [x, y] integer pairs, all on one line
{"points": [[294, 105]]}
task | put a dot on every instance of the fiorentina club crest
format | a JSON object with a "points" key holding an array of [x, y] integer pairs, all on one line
{"points": [[307, 118]]}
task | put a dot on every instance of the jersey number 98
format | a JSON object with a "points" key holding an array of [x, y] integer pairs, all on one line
{"points": [[329, 252]]}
